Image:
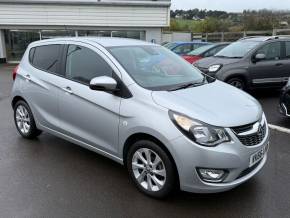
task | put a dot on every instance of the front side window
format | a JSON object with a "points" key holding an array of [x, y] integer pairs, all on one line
{"points": [[46, 57], [272, 51], [155, 67], [84, 64]]}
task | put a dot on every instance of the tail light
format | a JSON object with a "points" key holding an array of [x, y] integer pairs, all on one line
{"points": [[14, 72], [191, 59], [197, 58]]}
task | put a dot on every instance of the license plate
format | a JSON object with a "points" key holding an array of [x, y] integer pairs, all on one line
{"points": [[256, 157]]}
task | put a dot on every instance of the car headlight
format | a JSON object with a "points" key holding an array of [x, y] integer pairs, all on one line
{"points": [[214, 68], [201, 133]]}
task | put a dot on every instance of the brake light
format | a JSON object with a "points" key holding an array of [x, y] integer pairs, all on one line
{"points": [[192, 59], [14, 72]]}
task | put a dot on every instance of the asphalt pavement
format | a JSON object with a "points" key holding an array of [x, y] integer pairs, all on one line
{"points": [[49, 177]]}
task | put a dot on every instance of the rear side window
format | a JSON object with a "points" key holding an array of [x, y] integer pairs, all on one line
{"points": [[46, 58], [84, 64]]}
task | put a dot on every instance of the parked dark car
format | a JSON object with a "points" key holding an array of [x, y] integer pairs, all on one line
{"points": [[182, 48], [252, 62], [204, 52], [284, 106]]}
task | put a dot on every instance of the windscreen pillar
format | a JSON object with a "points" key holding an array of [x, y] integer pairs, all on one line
{"points": [[2, 48]]}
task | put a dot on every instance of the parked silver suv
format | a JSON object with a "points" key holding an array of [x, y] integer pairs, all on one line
{"points": [[142, 106]]}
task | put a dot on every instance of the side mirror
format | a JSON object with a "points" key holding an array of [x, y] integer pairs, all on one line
{"points": [[103, 83], [260, 57]]}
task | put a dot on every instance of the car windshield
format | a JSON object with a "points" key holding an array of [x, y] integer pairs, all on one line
{"points": [[238, 49], [170, 46], [155, 67], [200, 50]]}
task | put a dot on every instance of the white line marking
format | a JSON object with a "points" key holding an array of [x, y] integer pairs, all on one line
{"points": [[279, 128]]}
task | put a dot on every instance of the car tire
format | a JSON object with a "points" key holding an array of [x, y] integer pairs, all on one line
{"points": [[237, 82], [24, 121], [156, 177]]}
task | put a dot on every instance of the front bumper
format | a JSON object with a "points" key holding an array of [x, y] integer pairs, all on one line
{"points": [[284, 106], [232, 156]]}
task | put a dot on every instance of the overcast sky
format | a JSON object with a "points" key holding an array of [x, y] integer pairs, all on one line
{"points": [[231, 5]]}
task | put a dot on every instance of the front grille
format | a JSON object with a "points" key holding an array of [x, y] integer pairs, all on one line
{"points": [[241, 129], [253, 138]]}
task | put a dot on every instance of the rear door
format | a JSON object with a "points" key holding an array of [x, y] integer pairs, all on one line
{"points": [[271, 71], [42, 76], [87, 115]]}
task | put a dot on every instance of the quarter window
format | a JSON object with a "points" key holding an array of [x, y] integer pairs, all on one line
{"points": [[272, 51], [46, 57], [83, 65]]}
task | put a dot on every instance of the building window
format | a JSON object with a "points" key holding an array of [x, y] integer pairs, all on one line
{"points": [[50, 34], [98, 33], [129, 34], [17, 41]]}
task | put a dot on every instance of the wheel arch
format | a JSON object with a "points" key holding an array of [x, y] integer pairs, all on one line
{"points": [[144, 136], [17, 98], [238, 75]]}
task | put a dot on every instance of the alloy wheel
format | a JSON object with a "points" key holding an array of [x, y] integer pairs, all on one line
{"points": [[23, 119], [149, 169], [238, 84]]}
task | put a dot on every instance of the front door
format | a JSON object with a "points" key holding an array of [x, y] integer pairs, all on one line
{"points": [[271, 71], [86, 115]]}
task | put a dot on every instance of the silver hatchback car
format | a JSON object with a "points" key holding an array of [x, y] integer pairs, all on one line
{"points": [[142, 106]]}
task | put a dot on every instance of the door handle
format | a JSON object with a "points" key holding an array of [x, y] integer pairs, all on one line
{"points": [[278, 64], [27, 77], [67, 90]]}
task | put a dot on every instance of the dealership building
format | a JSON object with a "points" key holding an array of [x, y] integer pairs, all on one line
{"points": [[25, 21]]}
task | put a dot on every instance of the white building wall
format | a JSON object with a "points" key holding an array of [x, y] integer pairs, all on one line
{"points": [[83, 15], [153, 35], [184, 37]]}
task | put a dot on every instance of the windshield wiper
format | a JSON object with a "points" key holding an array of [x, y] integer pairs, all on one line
{"points": [[188, 85], [237, 57], [221, 56], [234, 57]]}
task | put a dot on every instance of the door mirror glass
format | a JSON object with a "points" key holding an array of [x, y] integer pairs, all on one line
{"points": [[260, 57], [103, 83]]}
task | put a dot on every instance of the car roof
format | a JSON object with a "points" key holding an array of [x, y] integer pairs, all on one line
{"points": [[103, 41], [222, 43], [264, 38], [194, 42]]}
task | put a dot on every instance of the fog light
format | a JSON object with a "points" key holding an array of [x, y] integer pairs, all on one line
{"points": [[212, 175]]}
